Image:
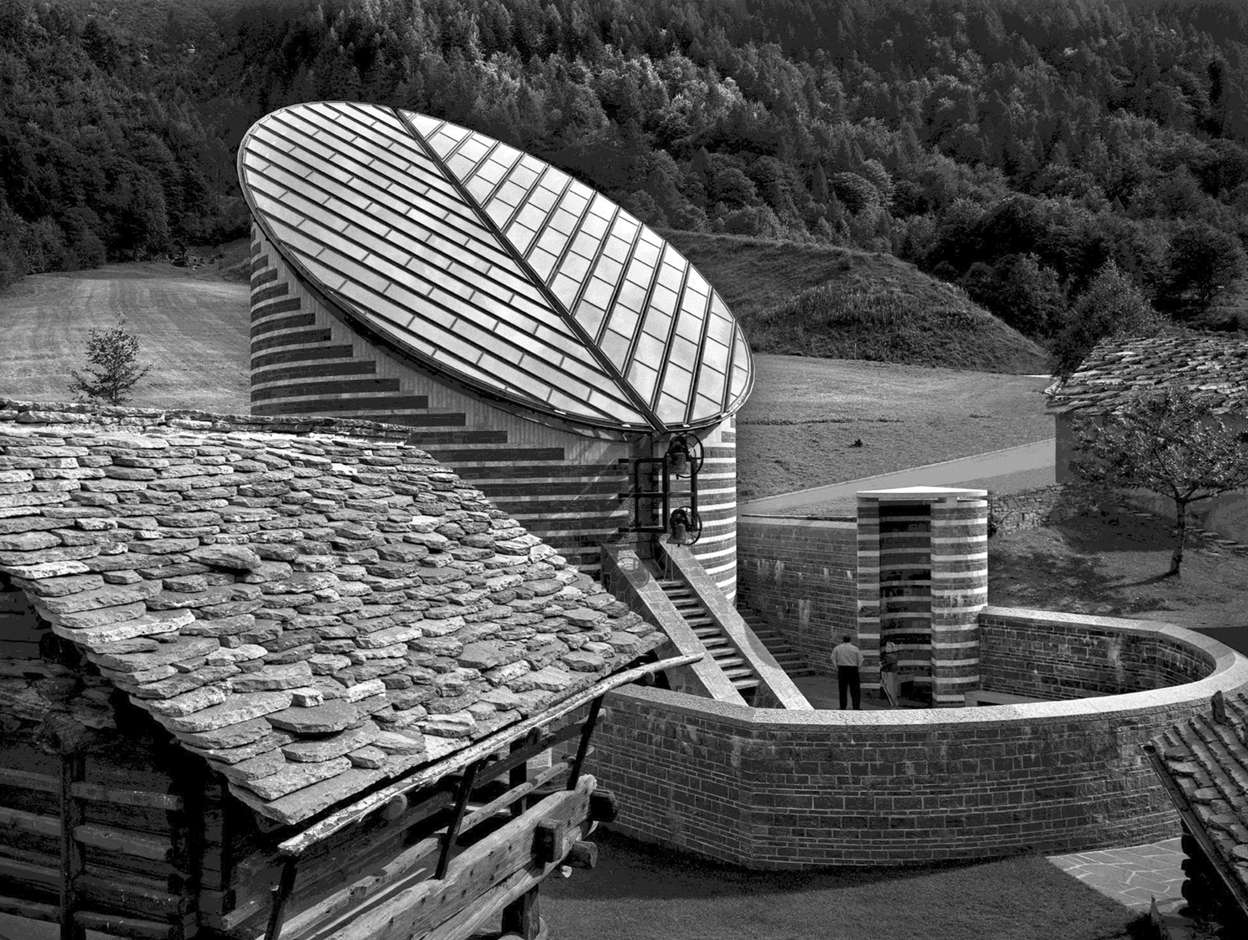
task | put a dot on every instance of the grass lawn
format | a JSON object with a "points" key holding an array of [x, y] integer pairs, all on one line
{"points": [[1114, 566], [641, 893], [193, 329], [797, 428]]}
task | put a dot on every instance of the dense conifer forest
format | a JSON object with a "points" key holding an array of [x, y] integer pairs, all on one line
{"points": [[1046, 155]]}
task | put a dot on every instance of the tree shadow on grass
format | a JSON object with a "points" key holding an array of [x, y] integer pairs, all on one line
{"points": [[1094, 533]]}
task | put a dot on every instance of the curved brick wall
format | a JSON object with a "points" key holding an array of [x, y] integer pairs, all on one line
{"points": [[565, 487], [765, 788]]}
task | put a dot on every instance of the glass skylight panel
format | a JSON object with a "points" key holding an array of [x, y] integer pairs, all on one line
{"points": [[642, 377], [594, 225], [473, 149], [589, 317], [565, 289], [494, 266]]}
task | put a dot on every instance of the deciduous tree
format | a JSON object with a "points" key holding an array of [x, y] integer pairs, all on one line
{"points": [[113, 366], [1170, 443]]}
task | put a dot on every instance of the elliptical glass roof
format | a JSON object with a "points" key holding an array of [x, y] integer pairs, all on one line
{"points": [[494, 267]]}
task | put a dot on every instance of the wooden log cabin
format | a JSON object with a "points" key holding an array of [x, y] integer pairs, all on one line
{"points": [[271, 678]]}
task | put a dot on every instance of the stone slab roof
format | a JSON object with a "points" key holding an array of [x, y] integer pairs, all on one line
{"points": [[311, 612], [1206, 757], [1215, 365]]}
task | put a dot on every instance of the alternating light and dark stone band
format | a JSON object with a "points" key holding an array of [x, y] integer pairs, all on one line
{"points": [[922, 581]]}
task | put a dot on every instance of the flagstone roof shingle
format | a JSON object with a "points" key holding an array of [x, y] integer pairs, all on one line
{"points": [[1214, 365], [1206, 758], [311, 612]]}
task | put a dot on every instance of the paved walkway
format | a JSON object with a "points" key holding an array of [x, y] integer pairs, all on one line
{"points": [[1002, 471], [1133, 876]]}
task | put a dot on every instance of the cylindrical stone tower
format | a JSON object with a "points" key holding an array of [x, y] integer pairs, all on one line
{"points": [[533, 335], [922, 581]]}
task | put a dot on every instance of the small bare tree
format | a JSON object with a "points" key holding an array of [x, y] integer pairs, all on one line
{"points": [[1170, 443], [113, 366]]}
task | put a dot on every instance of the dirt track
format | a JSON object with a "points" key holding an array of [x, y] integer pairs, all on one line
{"points": [[192, 329]]}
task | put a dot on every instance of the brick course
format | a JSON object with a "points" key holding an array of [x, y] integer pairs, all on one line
{"points": [[801, 575], [1063, 656], [766, 788]]}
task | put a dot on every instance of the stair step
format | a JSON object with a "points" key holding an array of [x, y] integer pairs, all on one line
{"points": [[733, 664]]}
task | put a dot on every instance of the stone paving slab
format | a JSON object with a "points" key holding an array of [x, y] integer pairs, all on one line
{"points": [[1131, 875]]}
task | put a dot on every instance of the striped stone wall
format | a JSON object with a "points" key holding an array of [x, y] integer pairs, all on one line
{"points": [[959, 593], [568, 488], [922, 580]]}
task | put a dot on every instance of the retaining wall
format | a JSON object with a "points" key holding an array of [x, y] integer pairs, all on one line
{"points": [[765, 788], [1041, 654], [801, 575]]}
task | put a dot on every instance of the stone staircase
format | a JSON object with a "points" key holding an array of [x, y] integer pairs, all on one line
{"points": [[743, 677], [793, 662]]}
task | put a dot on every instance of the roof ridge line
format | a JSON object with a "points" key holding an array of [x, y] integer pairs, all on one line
{"points": [[642, 407]]}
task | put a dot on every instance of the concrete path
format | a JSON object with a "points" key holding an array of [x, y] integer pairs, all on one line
{"points": [[1133, 876], [1001, 471]]}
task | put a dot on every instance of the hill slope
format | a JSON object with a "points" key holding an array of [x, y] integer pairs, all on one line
{"points": [[818, 300], [193, 330]]}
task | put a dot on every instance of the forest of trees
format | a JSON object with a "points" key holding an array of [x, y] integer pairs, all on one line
{"points": [[1039, 153]]}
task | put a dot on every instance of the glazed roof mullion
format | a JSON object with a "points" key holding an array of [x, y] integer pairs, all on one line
{"points": [[384, 183], [604, 363], [731, 386], [645, 309], [523, 341], [400, 224], [508, 173], [472, 282], [452, 328], [701, 350], [545, 224], [365, 164], [557, 269], [593, 262], [619, 282], [672, 331]]}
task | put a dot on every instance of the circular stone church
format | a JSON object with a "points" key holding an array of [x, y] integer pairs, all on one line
{"points": [[534, 336]]}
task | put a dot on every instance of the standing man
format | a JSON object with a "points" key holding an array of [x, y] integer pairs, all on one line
{"points": [[848, 661]]}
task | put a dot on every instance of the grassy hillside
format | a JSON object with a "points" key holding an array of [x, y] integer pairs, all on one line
{"points": [[818, 300], [191, 328]]}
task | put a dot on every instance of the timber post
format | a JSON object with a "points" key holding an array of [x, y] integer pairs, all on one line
{"points": [[73, 770]]}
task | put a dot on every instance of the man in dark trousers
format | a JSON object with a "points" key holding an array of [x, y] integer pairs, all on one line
{"points": [[848, 661]]}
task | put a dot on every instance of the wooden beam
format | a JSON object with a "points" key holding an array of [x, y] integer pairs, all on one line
{"points": [[452, 829], [27, 780], [469, 922], [123, 842], [24, 872], [523, 916], [20, 907], [170, 802], [73, 768], [335, 822], [582, 749], [33, 823], [118, 926], [583, 855], [505, 855], [369, 891], [281, 894]]}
